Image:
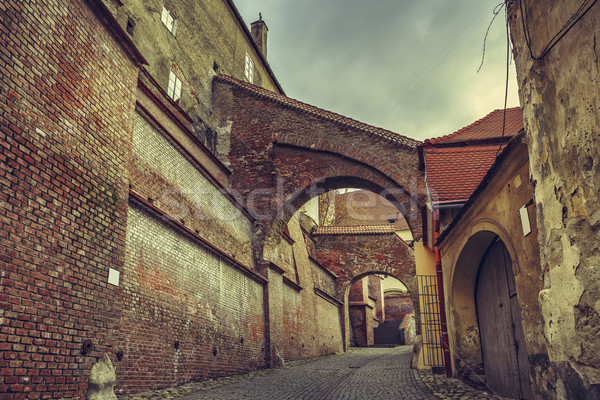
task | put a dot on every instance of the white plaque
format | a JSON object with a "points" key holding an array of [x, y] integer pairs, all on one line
{"points": [[524, 215], [113, 276]]}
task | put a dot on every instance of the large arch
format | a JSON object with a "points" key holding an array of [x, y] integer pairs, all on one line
{"points": [[464, 338], [282, 150], [351, 257]]}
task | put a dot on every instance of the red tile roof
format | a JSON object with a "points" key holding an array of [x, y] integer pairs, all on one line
{"points": [[488, 127], [453, 173], [324, 114], [456, 163], [354, 230]]}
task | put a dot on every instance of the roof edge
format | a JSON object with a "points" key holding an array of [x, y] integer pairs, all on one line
{"points": [[262, 57], [441, 139], [512, 144], [309, 108]]}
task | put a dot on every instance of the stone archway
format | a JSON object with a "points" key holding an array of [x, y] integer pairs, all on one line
{"points": [[351, 257], [366, 310], [281, 149]]}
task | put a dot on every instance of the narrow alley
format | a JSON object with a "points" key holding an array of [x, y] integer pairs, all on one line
{"points": [[362, 373]]}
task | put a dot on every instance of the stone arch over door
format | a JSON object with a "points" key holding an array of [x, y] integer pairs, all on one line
{"points": [[465, 338]]}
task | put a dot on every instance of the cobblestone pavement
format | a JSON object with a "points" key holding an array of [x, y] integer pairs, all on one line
{"points": [[364, 373]]}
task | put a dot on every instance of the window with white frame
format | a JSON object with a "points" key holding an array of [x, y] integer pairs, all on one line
{"points": [[169, 21], [249, 69], [174, 88]]}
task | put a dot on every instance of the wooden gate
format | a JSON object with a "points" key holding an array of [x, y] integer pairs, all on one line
{"points": [[500, 328]]}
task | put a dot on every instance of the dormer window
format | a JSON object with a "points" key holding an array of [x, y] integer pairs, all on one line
{"points": [[249, 69], [168, 20], [174, 88]]}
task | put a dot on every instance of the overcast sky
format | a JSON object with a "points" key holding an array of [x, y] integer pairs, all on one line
{"points": [[363, 58]]}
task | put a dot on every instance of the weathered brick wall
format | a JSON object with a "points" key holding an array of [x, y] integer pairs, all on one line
{"points": [[560, 96], [278, 155], [66, 102], [377, 253], [396, 307], [293, 324], [329, 325], [304, 321], [188, 314], [323, 279], [361, 323], [376, 294], [161, 172]]}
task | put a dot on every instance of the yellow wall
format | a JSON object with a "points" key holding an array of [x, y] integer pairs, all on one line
{"points": [[425, 265]]}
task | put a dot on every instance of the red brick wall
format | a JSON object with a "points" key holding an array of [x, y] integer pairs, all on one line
{"points": [[396, 307], [377, 253], [358, 291], [376, 293], [66, 107], [284, 151], [175, 290]]}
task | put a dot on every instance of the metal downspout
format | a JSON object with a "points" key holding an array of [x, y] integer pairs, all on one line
{"points": [[442, 301]]}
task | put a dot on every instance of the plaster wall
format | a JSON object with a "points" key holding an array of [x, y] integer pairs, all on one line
{"points": [[560, 95], [208, 34], [493, 213]]}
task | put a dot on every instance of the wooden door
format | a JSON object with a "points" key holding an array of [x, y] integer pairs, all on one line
{"points": [[500, 328]]}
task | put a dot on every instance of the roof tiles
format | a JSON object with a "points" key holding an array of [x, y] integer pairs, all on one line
{"points": [[457, 163], [354, 230], [486, 128], [453, 173], [324, 114]]}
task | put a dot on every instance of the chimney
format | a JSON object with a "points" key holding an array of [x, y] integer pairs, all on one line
{"points": [[259, 33]]}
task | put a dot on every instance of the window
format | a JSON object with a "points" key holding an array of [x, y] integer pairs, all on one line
{"points": [[130, 26], [249, 69], [169, 21], [174, 88]]}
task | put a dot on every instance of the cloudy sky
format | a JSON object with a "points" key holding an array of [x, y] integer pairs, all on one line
{"points": [[405, 65]]}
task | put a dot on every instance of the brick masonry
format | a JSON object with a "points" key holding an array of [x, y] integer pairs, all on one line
{"points": [[161, 173], [396, 307], [94, 177], [292, 156], [352, 257], [187, 313], [66, 105]]}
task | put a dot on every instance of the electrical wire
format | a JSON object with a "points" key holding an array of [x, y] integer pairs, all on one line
{"points": [[496, 11], [574, 19], [507, 75]]}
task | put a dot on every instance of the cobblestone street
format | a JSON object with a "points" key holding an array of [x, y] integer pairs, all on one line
{"points": [[364, 373]]}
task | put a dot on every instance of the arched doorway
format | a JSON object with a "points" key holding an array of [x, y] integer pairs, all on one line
{"points": [[500, 328]]}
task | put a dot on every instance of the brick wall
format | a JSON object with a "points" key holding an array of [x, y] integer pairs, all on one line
{"points": [[161, 172], [188, 314], [293, 324], [328, 326], [377, 253], [323, 279], [396, 307], [66, 101]]}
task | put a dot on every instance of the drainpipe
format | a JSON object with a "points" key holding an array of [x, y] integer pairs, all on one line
{"points": [[442, 301]]}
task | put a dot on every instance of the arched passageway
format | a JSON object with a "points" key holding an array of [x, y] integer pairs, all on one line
{"points": [[380, 310], [354, 256], [283, 152]]}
